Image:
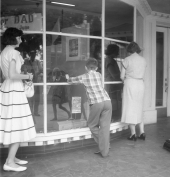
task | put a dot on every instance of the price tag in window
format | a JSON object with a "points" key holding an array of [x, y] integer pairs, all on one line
{"points": [[76, 104]]}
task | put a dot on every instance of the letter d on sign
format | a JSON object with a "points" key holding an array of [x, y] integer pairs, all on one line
{"points": [[16, 19]]}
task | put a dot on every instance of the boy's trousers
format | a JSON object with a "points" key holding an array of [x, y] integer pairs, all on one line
{"points": [[99, 124]]}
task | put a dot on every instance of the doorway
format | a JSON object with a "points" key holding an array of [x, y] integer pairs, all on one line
{"points": [[162, 71]]}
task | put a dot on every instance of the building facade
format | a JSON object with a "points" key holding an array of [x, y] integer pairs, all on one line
{"points": [[64, 36]]}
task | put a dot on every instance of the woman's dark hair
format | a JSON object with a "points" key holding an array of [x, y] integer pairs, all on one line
{"points": [[91, 64], [97, 50], [133, 47], [9, 36], [32, 55], [112, 49]]}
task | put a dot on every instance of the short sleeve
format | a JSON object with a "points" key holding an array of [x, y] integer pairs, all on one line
{"points": [[125, 63], [14, 54]]}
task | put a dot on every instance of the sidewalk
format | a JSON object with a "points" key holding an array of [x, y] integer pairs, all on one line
{"points": [[126, 159]]}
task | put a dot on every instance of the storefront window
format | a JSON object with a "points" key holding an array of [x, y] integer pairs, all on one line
{"points": [[70, 35]]}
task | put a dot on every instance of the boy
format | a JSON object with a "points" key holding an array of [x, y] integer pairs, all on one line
{"points": [[100, 105]]}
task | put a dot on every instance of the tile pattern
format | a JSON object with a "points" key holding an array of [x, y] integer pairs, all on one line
{"points": [[126, 159]]}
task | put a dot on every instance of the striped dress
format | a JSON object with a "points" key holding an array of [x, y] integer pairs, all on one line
{"points": [[16, 121]]}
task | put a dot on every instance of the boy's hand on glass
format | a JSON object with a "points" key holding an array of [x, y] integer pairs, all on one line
{"points": [[67, 76]]}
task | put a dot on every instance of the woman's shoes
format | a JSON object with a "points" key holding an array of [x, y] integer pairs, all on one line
{"points": [[133, 138], [22, 162], [142, 136], [8, 168]]}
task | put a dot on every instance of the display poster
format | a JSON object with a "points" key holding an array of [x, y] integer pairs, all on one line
{"points": [[72, 49], [76, 104]]}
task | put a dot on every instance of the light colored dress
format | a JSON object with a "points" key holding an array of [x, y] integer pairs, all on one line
{"points": [[133, 91], [16, 121]]}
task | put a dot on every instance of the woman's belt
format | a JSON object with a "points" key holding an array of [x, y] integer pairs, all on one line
{"points": [[134, 78]]}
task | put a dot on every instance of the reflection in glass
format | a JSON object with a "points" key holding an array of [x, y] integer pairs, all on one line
{"points": [[36, 106], [82, 16], [119, 20], [116, 99], [115, 53], [67, 107], [159, 68], [31, 50], [59, 97], [68, 104]]}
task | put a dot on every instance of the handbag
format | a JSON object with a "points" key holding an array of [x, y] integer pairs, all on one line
{"points": [[166, 145], [29, 88]]}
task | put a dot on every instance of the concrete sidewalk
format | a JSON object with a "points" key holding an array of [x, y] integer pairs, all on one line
{"points": [[126, 159]]}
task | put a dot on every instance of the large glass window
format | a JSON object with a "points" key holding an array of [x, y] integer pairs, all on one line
{"points": [[67, 105], [70, 35]]}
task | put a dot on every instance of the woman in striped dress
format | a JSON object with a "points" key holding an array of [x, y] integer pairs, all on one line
{"points": [[16, 122]]}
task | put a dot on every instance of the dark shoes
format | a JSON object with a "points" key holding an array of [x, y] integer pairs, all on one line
{"points": [[54, 119], [132, 138], [36, 114], [142, 136]]}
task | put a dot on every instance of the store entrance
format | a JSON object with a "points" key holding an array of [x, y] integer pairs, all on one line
{"points": [[163, 72]]}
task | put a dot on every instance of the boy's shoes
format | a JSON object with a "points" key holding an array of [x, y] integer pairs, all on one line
{"points": [[98, 151], [53, 119], [36, 114]]}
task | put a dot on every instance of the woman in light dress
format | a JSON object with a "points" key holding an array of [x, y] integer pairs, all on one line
{"points": [[16, 122], [132, 75]]}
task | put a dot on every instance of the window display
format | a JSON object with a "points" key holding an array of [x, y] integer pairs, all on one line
{"points": [[57, 41]]}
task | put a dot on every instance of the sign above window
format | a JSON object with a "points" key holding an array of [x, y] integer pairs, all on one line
{"points": [[25, 22]]}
